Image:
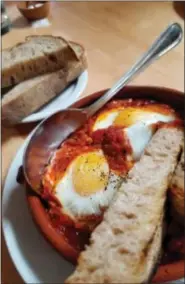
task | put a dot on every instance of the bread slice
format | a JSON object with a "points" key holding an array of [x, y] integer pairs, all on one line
{"points": [[153, 253], [120, 246], [30, 95], [36, 56], [177, 190]]}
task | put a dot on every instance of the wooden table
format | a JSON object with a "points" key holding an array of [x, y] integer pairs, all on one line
{"points": [[114, 35]]}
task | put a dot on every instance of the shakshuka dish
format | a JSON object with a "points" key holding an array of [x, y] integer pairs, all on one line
{"points": [[105, 187], [86, 171]]}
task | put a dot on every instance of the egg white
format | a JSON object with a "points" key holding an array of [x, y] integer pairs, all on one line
{"points": [[139, 136], [77, 206], [104, 121]]}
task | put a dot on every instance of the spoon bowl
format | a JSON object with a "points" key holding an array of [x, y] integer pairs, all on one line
{"points": [[46, 139]]}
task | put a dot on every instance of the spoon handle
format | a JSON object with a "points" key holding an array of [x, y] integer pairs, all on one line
{"points": [[164, 43]]}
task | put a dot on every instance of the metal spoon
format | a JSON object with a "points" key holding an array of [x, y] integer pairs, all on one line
{"points": [[51, 132]]}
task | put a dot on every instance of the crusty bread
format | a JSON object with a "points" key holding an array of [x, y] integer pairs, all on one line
{"points": [[120, 246], [177, 190], [153, 253], [31, 94], [36, 56]]}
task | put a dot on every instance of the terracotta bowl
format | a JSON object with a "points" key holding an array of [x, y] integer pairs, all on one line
{"points": [[34, 10], [170, 272]]}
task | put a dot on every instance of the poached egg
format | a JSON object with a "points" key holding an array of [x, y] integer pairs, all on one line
{"points": [[87, 186], [138, 123]]}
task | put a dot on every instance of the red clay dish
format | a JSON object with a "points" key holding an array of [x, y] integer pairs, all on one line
{"points": [[169, 272]]}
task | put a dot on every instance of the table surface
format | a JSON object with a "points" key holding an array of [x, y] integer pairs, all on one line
{"points": [[114, 35]]}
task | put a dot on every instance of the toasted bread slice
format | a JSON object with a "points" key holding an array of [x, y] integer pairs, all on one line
{"points": [[120, 247], [36, 56], [30, 95]]}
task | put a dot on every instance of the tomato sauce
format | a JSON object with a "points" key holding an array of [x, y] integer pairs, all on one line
{"points": [[116, 147], [76, 238], [178, 123]]}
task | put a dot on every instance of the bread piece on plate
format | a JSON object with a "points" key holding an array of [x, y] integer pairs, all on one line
{"points": [[39, 54], [30, 95], [177, 191], [123, 244]]}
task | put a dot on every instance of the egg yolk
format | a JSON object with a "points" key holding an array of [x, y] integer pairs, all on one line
{"points": [[130, 116], [90, 173]]}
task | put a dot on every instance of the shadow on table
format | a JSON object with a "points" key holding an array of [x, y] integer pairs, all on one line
{"points": [[21, 129], [179, 8], [20, 23], [38, 260], [5, 134]]}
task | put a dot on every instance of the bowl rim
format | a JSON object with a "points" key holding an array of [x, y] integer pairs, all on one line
{"points": [[168, 272], [20, 6]]}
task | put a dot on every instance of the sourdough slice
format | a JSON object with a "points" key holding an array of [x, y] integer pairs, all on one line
{"points": [[31, 94], [153, 252], [36, 56], [177, 191], [119, 246]]}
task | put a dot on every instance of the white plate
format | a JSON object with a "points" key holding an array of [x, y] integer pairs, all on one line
{"points": [[34, 258], [62, 101]]}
